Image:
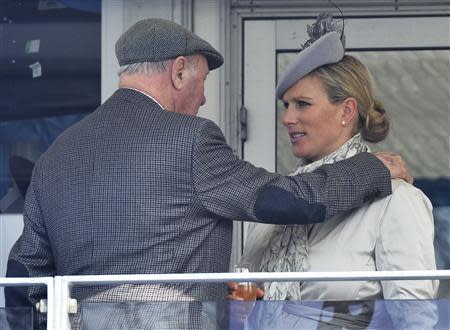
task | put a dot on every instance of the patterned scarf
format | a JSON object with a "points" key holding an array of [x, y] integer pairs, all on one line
{"points": [[288, 248]]}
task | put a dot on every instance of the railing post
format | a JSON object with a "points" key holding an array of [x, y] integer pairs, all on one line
{"points": [[46, 305], [62, 289], [51, 304]]}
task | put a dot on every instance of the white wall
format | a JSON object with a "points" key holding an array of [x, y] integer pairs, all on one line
{"points": [[207, 18], [112, 28]]}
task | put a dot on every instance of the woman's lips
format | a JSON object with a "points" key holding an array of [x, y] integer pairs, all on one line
{"points": [[296, 136]]}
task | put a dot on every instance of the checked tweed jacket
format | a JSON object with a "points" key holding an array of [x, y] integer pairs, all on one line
{"points": [[135, 189]]}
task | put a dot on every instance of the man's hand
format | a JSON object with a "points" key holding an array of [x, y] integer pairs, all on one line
{"points": [[396, 165]]}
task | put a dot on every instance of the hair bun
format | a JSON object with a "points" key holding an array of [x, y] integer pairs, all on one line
{"points": [[376, 126]]}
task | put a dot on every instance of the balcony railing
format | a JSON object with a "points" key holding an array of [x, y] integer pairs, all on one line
{"points": [[59, 302]]}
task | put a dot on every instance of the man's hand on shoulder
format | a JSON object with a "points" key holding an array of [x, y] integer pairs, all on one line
{"points": [[396, 165]]}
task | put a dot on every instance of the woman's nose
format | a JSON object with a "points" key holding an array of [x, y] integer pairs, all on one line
{"points": [[288, 117]]}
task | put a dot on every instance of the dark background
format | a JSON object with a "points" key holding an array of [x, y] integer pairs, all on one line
{"points": [[69, 53]]}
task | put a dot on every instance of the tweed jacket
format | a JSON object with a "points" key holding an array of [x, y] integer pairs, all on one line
{"points": [[135, 189]]}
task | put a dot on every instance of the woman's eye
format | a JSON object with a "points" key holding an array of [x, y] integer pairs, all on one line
{"points": [[301, 104], [286, 105]]}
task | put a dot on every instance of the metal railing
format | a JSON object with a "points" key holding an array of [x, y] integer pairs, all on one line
{"points": [[60, 304], [65, 283]]}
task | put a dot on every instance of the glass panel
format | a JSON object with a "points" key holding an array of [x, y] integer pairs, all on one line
{"points": [[148, 315], [50, 56], [16, 318], [414, 87], [381, 314], [378, 314]]}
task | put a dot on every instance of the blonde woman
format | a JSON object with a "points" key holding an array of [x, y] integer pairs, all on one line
{"points": [[330, 115]]}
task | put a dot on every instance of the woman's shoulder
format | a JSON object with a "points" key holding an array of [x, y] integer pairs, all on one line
{"points": [[407, 206], [403, 191]]}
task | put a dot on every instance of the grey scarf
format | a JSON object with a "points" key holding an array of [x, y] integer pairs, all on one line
{"points": [[288, 247]]}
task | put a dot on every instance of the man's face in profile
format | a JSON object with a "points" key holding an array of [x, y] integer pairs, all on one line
{"points": [[194, 90]]}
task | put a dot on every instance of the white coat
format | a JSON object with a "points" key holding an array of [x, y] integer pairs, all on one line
{"points": [[391, 233]]}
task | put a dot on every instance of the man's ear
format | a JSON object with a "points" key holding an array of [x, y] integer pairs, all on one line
{"points": [[350, 111], [178, 71]]}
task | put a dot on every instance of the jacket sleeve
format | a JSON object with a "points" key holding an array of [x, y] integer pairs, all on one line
{"points": [[406, 243], [235, 189], [31, 255]]}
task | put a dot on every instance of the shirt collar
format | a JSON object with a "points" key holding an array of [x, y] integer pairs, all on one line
{"points": [[137, 90]]}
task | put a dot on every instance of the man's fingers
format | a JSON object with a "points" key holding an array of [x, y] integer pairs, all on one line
{"points": [[232, 286], [410, 179], [396, 165]]}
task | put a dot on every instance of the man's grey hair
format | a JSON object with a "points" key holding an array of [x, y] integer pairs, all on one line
{"points": [[154, 67]]}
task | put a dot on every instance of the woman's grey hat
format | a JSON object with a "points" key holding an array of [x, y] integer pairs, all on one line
{"points": [[155, 39], [325, 50]]}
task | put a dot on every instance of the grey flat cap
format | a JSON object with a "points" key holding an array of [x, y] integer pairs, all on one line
{"points": [[154, 39], [325, 50]]}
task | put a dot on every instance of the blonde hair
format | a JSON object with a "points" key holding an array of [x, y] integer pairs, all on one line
{"points": [[350, 78]]}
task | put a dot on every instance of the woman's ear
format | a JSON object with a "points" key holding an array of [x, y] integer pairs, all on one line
{"points": [[178, 71], [350, 111]]}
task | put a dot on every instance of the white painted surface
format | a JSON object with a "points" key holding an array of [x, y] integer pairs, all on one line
{"points": [[259, 93], [374, 32], [207, 26], [112, 28]]}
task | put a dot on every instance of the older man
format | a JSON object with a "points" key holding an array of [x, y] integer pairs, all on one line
{"points": [[143, 186]]}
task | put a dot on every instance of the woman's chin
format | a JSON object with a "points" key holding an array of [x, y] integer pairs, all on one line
{"points": [[301, 153], [306, 157]]}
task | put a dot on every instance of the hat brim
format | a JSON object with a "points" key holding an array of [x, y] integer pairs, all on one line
{"points": [[214, 60]]}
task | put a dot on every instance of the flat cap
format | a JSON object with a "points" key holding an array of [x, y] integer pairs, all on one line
{"points": [[155, 39], [325, 50]]}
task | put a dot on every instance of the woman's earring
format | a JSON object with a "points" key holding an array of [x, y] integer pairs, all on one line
{"points": [[343, 123]]}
